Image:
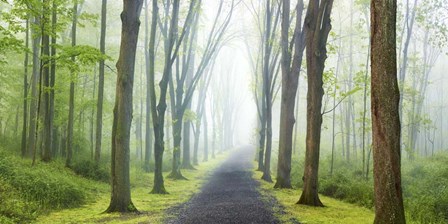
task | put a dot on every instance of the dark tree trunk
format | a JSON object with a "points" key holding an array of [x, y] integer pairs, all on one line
{"points": [[46, 149], [158, 111], [25, 90], [267, 93], [71, 112], [92, 120], [99, 106], [34, 89], [386, 126], [290, 81], [52, 128], [121, 130], [148, 129], [317, 23]]}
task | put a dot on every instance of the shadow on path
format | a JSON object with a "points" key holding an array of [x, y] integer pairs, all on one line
{"points": [[229, 196]]}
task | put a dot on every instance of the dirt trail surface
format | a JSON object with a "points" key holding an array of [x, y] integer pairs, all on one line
{"points": [[229, 196]]}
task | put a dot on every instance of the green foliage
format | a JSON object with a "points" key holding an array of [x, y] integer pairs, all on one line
{"points": [[335, 211], [353, 190], [89, 169], [431, 17], [424, 182], [14, 208], [48, 189], [27, 191], [425, 189], [84, 56], [190, 116]]}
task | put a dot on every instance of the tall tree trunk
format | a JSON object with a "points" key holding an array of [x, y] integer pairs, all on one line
{"points": [[364, 112], [318, 26], [385, 114], [348, 115], [290, 82], [47, 129], [333, 132], [71, 112], [262, 134], [25, 90], [99, 106], [158, 113], [52, 128], [409, 25], [148, 129], [121, 188], [34, 89], [204, 118], [92, 120], [267, 96]]}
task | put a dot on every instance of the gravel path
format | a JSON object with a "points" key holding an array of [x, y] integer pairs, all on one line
{"points": [[229, 196]]}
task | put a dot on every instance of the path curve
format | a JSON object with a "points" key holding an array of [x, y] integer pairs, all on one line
{"points": [[230, 196]]}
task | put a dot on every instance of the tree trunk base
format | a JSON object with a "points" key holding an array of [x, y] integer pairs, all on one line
{"points": [[122, 208], [267, 177], [310, 201], [282, 185]]}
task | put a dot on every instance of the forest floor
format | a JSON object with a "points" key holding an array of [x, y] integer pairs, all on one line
{"points": [[231, 195], [153, 208]]}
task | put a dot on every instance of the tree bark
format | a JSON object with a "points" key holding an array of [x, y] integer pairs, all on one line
{"points": [[385, 114], [318, 27], [47, 129], [34, 89], [290, 81], [71, 112], [99, 105], [148, 129], [25, 90], [121, 189], [267, 93], [158, 111], [52, 128]]}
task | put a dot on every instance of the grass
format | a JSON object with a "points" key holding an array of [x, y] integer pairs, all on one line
{"points": [[152, 207], [334, 212], [27, 191]]}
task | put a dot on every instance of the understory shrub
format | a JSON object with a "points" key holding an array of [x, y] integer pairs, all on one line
{"points": [[424, 182], [89, 169], [26, 190]]}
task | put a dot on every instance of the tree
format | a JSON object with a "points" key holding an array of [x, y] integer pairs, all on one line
{"points": [[290, 81], [148, 130], [121, 129], [47, 129], [99, 106], [182, 101], [158, 110], [51, 109], [71, 112], [269, 77], [34, 86], [318, 25], [25, 89], [386, 126]]}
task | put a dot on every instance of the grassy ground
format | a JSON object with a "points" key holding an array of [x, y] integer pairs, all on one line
{"points": [[335, 212], [152, 207]]}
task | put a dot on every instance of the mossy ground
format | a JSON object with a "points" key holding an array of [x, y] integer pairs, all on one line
{"points": [[152, 207], [334, 212]]}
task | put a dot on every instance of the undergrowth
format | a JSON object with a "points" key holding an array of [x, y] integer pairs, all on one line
{"points": [[27, 191]]}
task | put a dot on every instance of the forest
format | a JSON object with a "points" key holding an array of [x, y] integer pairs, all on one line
{"points": [[223, 111]]}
